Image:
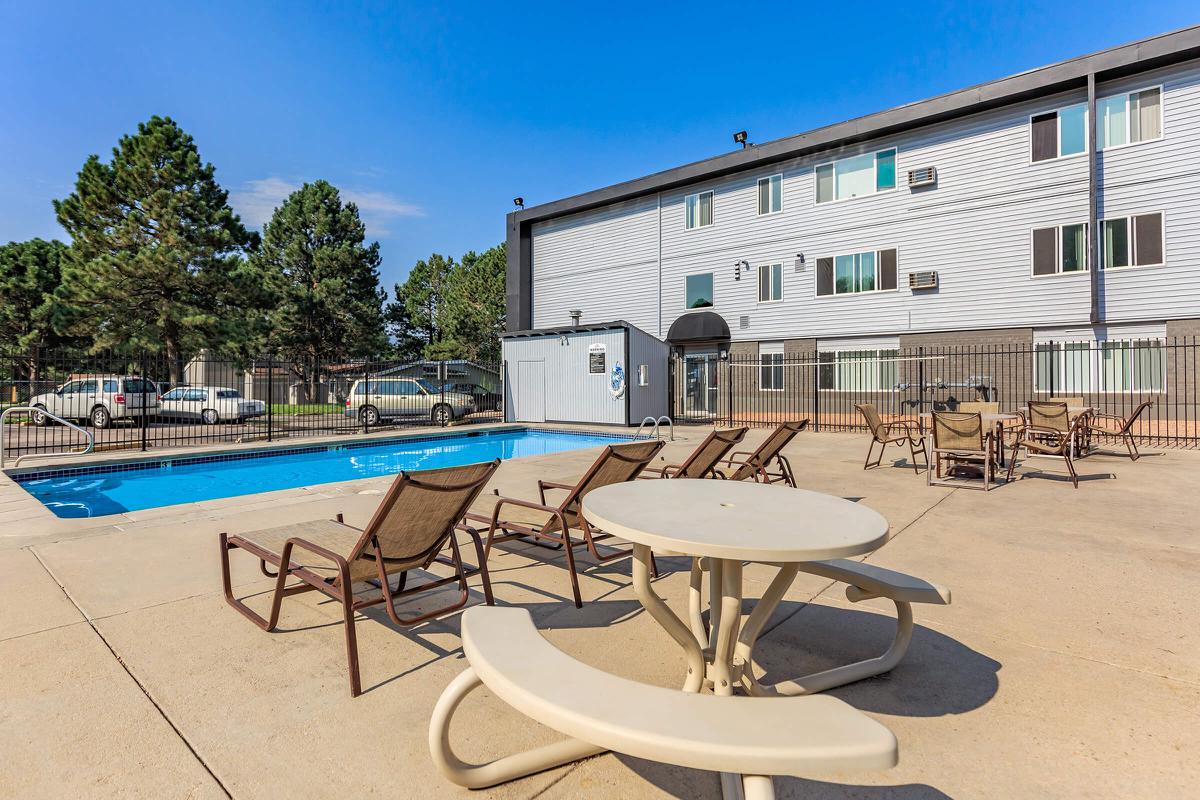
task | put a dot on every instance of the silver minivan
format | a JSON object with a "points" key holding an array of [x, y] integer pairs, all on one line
{"points": [[376, 399], [98, 399]]}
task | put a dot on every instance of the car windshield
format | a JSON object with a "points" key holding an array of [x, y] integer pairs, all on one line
{"points": [[138, 385], [229, 393], [427, 386]]}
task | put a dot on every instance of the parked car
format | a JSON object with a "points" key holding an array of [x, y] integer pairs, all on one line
{"points": [[485, 399], [210, 404], [98, 399], [372, 401]]}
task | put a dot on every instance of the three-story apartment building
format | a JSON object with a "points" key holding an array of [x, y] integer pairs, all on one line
{"points": [[1058, 205]]}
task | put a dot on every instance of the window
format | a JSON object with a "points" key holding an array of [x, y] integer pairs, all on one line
{"points": [[110, 386], [770, 283], [856, 176], [770, 370], [174, 394], [1115, 367], [643, 374], [872, 271], [196, 395], [699, 291], [1060, 249], [1129, 118], [770, 195], [857, 370], [1132, 241], [229, 394], [139, 386], [698, 210], [1058, 133]]}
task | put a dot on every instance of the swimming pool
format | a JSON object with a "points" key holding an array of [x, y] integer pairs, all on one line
{"points": [[99, 490]]}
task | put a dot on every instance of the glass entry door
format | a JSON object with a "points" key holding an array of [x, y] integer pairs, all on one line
{"points": [[700, 384]]}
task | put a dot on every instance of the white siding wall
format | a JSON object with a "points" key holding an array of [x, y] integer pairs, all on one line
{"points": [[572, 394], [973, 229]]}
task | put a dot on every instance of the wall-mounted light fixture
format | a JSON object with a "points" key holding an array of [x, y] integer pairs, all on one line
{"points": [[519, 202], [740, 138], [799, 262], [739, 267]]}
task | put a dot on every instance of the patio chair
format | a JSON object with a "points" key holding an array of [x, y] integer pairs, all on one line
{"points": [[704, 459], [523, 519], [1049, 434], [960, 439], [410, 528], [895, 432], [976, 407], [1123, 426], [748, 739], [767, 464]]}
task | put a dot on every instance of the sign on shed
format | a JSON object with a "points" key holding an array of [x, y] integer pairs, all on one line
{"points": [[596, 359]]}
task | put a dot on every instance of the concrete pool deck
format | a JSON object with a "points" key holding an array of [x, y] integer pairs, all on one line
{"points": [[1068, 664]]}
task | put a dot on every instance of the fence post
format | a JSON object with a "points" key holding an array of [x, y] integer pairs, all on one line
{"points": [[1053, 364], [270, 396], [145, 399], [366, 384]]}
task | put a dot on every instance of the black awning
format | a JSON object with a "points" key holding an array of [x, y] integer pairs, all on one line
{"points": [[698, 326]]}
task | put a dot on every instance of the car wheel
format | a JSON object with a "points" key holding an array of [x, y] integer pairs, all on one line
{"points": [[442, 415], [100, 417], [369, 415], [210, 416], [39, 416]]}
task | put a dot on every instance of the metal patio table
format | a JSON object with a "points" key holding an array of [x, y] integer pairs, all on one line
{"points": [[727, 523]]}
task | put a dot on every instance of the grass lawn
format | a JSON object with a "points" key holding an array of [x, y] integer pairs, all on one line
{"points": [[307, 408]]}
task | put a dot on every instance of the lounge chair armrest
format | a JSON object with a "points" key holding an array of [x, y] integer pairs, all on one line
{"points": [[512, 501], [1038, 429], [544, 485], [304, 544]]}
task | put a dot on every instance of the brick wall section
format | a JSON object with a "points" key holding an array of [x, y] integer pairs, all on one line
{"points": [[1183, 327], [1000, 336]]}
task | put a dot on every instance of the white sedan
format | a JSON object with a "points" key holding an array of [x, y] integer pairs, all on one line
{"points": [[209, 404]]}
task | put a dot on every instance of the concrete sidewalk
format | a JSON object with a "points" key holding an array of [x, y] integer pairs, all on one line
{"points": [[1067, 666]]}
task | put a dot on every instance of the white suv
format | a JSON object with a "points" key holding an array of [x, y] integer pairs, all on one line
{"points": [[389, 398], [98, 399]]}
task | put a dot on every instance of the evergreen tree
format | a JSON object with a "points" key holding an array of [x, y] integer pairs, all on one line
{"points": [[472, 311], [155, 258], [418, 303], [324, 282], [29, 274]]}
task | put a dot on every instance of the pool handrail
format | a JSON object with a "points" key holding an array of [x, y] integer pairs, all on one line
{"points": [[91, 439], [655, 431]]}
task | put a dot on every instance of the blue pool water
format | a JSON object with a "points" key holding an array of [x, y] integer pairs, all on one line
{"points": [[96, 491]]}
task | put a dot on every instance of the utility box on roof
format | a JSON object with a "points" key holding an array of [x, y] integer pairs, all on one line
{"points": [[608, 374]]}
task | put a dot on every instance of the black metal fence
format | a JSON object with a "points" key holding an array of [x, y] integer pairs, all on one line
{"points": [[1112, 377], [141, 400]]}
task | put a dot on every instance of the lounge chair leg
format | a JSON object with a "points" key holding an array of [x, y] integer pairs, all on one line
{"points": [[1071, 469], [484, 577], [508, 768], [351, 643], [912, 450], [1131, 445], [242, 608], [571, 568]]}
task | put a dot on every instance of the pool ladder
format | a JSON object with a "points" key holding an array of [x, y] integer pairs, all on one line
{"points": [[654, 431], [91, 440]]}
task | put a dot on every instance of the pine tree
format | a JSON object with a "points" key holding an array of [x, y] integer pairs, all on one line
{"points": [[324, 282], [418, 303], [29, 274], [472, 311], [155, 258]]}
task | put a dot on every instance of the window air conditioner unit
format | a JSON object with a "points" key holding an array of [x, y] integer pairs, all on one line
{"points": [[922, 280], [924, 176]]}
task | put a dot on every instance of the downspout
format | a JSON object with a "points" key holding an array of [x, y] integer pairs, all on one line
{"points": [[659, 221], [1093, 225]]}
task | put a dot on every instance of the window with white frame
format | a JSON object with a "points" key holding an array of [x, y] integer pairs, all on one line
{"points": [[1058, 133], [1135, 241], [698, 291], [770, 195], [698, 210], [1129, 118], [856, 176], [857, 370], [1129, 366], [770, 283], [854, 273], [1060, 249], [770, 370]]}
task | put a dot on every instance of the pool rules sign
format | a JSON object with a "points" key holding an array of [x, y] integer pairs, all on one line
{"points": [[596, 365]]}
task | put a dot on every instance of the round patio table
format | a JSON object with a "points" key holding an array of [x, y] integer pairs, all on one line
{"points": [[726, 523]]}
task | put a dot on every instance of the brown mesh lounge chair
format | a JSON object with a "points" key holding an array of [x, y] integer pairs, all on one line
{"points": [[885, 433], [412, 526], [1049, 432], [704, 459], [959, 440], [540, 521], [1118, 427], [767, 464]]}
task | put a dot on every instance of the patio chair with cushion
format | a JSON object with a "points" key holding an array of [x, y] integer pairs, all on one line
{"points": [[748, 739], [411, 527], [703, 461], [1117, 427], [1049, 433], [896, 432], [767, 464], [959, 440], [542, 522]]}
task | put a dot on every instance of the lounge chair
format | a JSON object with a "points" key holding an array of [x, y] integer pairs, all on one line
{"points": [[704, 459], [767, 464], [524, 519], [899, 431], [1121, 429], [959, 439], [748, 739], [410, 528], [1050, 433]]}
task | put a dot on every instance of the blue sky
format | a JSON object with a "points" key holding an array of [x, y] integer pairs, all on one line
{"points": [[432, 120]]}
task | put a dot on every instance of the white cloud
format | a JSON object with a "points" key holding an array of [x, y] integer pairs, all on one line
{"points": [[256, 200]]}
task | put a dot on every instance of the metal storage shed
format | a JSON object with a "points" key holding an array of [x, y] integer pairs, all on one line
{"points": [[610, 373]]}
